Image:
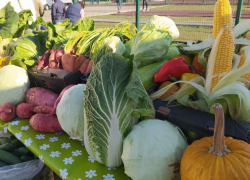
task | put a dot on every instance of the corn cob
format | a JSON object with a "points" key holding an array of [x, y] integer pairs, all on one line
{"points": [[242, 61], [224, 56], [222, 16]]}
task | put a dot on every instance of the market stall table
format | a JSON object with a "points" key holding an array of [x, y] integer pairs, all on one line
{"points": [[65, 156]]}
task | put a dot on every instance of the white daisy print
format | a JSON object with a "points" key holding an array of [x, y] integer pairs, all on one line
{"points": [[55, 154], [57, 133], [77, 179], [108, 177], [66, 145], [90, 173], [24, 128], [40, 136], [111, 168], [18, 135], [27, 142], [76, 153], [41, 158], [44, 146], [15, 123], [68, 160], [91, 159], [63, 173], [53, 139]]}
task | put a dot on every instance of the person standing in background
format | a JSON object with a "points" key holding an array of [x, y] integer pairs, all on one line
{"points": [[58, 11], [75, 11], [39, 8], [145, 2], [119, 5]]}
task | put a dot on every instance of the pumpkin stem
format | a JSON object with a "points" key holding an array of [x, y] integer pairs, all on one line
{"points": [[218, 147]]}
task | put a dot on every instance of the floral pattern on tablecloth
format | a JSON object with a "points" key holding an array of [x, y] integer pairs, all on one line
{"points": [[65, 156]]}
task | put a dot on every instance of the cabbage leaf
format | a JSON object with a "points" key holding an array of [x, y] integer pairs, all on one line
{"points": [[114, 100]]}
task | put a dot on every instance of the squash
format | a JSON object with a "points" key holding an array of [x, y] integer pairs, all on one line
{"points": [[217, 157]]}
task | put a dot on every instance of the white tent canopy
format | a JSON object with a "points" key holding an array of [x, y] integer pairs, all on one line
{"points": [[20, 5]]}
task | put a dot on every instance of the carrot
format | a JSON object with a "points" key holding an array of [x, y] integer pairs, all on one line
{"points": [[84, 66], [68, 62], [78, 62], [89, 66]]}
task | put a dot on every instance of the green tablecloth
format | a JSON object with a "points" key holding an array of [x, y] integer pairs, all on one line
{"points": [[66, 157]]}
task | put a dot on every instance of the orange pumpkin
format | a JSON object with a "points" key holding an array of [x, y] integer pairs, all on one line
{"points": [[217, 157]]}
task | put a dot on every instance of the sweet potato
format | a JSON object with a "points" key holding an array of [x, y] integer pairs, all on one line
{"points": [[42, 109], [7, 112], [68, 62], [52, 59], [59, 55], [45, 123], [78, 62], [40, 97], [44, 61], [89, 66], [59, 98], [25, 110], [84, 66]]}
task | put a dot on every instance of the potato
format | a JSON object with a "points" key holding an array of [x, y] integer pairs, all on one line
{"points": [[68, 61], [7, 112], [45, 123], [41, 97], [25, 110], [43, 109]]}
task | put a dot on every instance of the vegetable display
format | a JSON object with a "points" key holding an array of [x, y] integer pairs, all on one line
{"points": [[216, 157], [153, 150]]}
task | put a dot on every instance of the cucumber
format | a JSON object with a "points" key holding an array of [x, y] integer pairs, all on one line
{"points": [[148, 72], [6, 146], [9, 158], [21, 151], [25, 158], [3, 164], [4, 140], [16, 143]]}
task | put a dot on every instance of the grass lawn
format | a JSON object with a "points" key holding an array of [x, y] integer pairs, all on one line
{"points": [[193, 33]]}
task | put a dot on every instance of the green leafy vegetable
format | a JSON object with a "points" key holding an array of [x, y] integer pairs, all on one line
{"points": [[114, 99], [8, 22], [149, 46], [24, 17]]}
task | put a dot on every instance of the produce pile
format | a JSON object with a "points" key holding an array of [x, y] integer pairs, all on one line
{"points": [[113, 113], [12, 151]]}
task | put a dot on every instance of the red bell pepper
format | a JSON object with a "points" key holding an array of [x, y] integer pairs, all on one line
{"points": [[174, 67]]}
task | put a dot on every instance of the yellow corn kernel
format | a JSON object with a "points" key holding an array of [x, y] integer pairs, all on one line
{"points": [[224, 56], [222, 16], [242, 61]]}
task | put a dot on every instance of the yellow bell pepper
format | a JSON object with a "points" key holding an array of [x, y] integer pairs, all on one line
{"points": [[4, 61], [187, 77], [187, 59]]}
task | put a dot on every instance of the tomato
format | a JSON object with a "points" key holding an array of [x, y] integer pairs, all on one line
{"points": [[170, 92], [187, 59], [198, 66]]}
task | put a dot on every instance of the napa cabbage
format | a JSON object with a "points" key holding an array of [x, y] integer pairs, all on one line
{"points": [[114, 100]]}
